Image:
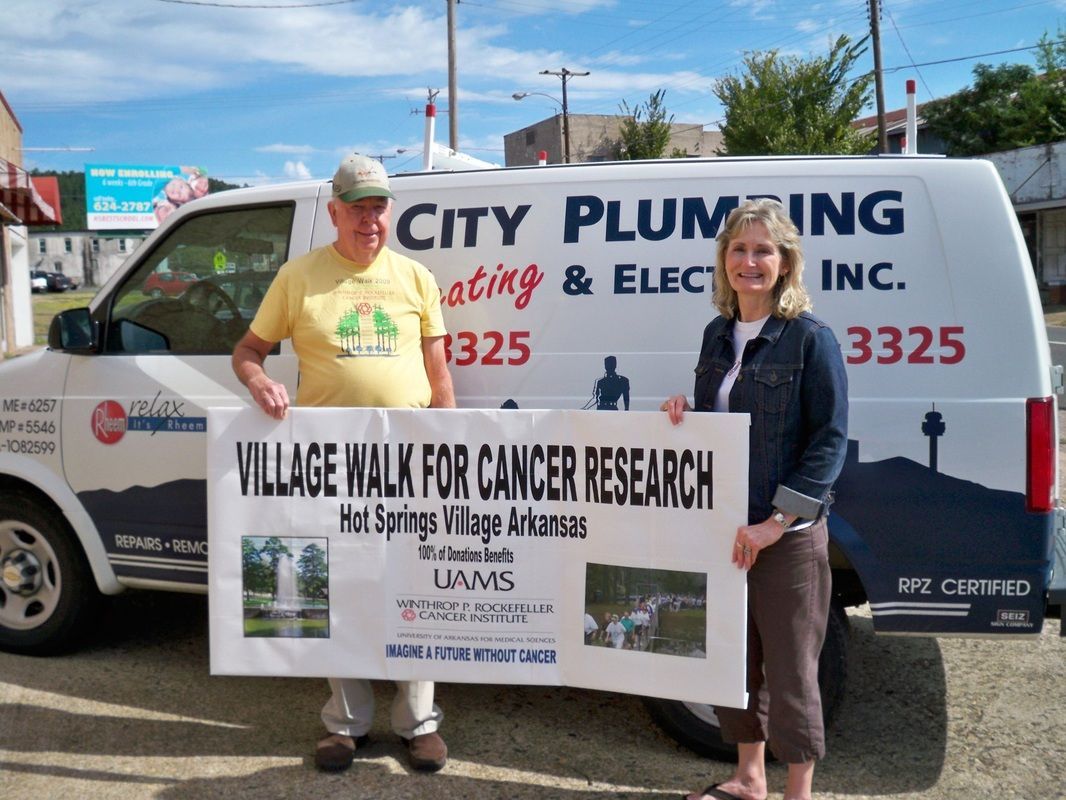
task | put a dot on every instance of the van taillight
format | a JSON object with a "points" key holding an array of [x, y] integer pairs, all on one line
{"points": [[1040, 454]]}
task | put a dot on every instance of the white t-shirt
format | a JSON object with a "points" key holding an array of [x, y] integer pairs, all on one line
{"points": [[743, 332], [617, 634]]}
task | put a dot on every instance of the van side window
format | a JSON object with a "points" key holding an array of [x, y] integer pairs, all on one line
{"points": [[199, 288]]}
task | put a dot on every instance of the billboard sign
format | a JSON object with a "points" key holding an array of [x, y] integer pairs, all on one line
{"points": [[124, 196]]}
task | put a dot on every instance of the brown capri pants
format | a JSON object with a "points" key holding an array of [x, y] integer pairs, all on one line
{"points": [[788, 606]]}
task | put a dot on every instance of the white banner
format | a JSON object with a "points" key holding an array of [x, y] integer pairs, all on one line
{"points": [[472, 545]]}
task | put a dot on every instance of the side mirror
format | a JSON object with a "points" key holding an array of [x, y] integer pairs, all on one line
{"points": [[73, 331]]}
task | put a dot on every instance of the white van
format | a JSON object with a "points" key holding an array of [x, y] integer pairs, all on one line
{"points": [[558, 282]]}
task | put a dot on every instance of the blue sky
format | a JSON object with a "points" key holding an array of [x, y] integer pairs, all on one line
{"points": [[259, 95]]}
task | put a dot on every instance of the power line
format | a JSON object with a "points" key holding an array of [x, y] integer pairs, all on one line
{"points": [[783, 41], [971, 57], [907, 50], [969, 14], [637, 30]]}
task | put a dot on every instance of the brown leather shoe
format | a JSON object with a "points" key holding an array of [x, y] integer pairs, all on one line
{"points": [[427, 752], [336, 752]]}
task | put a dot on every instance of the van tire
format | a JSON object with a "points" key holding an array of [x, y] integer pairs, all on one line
{"points": [[47, 592], [695, 726]]}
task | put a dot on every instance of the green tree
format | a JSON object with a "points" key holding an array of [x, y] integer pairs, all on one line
{"points": [[217, 185], [71, 200], [313, 575], [1008, 106], [348, 332], [382, 327], [254, 573], [645, 130], [794, 106]]}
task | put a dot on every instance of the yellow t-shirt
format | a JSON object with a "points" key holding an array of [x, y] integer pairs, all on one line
{"points": [[357, 330]]}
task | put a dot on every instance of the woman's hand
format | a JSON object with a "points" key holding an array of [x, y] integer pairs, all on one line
{"points": [[751, 539], [675, 407]]}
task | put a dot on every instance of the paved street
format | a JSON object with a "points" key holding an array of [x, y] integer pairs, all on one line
{"points": [[137, 716]]}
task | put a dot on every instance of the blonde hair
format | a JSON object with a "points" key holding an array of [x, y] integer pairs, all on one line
{"points": [[790, 295]]}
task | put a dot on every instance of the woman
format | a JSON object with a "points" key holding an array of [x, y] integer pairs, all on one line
{"points": [[767, 356]]}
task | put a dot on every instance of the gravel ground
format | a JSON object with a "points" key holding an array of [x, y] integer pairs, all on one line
{"points": [[136, 716]]}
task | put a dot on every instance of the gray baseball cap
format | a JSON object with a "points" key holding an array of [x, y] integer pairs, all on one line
{"points": [[358, 177]]}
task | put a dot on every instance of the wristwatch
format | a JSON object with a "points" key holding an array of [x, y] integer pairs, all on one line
{"points": [[779, 518]]}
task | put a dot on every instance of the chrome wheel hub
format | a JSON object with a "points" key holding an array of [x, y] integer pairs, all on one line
{"points": [[22, 573]]}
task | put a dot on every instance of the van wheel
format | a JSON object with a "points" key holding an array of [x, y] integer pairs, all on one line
{"points": [[46, 589], [695, 725]]}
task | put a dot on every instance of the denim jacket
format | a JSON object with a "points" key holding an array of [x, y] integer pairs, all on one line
{"points": [[792, 383]]}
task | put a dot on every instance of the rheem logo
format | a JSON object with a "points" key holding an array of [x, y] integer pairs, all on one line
{"points": [[109, 422]]}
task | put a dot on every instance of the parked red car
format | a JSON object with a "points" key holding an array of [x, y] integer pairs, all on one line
{"points": [[171, 284]]}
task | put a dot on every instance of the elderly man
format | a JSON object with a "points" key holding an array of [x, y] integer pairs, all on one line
{"points": [[358, 279]]}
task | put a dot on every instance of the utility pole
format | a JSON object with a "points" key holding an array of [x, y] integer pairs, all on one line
{"points": [[879, 86], [564, 74], [453, 88]]}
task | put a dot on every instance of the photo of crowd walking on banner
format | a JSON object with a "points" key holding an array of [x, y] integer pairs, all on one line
{"points": [[285, 585], [655, 611]]}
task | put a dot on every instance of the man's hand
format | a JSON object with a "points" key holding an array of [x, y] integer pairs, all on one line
{"points": [[248, 358], [269, 395]]}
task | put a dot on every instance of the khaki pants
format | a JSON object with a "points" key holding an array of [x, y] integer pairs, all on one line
{"points": [[350, 709], [788, 607]]}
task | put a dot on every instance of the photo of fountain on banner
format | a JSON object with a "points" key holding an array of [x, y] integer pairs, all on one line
{"points": [[285, 583]]}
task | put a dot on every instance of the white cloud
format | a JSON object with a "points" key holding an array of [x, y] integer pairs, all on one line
{"points": [[77, 52], [72, 50], [287, 149], [296, 170]]}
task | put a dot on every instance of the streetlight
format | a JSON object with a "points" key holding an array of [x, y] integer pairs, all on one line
{"points": [[523, 95], [565, 75]]}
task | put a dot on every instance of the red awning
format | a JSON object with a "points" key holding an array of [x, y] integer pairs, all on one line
{"points": [[47, 187], [20, 194]]}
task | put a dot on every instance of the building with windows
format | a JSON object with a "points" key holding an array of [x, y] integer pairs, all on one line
{"points": [[1035, 179], [596, 137], [88, 258]]}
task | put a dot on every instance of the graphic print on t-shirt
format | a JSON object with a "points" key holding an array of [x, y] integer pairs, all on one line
{"points": [[367, 330]]}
